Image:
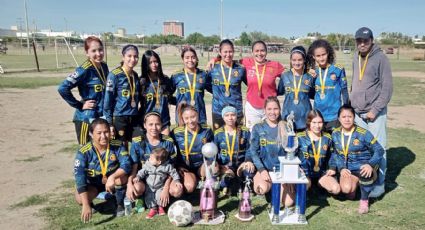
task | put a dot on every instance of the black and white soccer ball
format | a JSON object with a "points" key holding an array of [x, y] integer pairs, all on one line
{"points": [[180, 213]]}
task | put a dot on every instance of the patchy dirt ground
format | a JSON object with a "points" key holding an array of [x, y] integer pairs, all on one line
{"points": [[36, 125]]}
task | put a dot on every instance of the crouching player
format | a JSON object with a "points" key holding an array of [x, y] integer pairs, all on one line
{"points": [[101, 165], [232, 142]]}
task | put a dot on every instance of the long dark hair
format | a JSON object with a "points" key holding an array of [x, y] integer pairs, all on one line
{"points": [[145, 63], [320, 43]]}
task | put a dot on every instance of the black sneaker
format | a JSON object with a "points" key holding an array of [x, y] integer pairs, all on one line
{"points": [[120, 211]]}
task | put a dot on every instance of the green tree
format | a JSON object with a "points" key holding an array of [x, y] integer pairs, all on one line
{"points": [[244, 39], [195, 38]]}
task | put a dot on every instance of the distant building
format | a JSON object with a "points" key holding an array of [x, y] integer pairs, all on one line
{"points": [[173, 28], [121, 32], [7, 33]]}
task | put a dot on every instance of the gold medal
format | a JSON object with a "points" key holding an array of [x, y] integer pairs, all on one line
{"points": [[362, 69], [260, 78], [297, 87], [192, 87], [296, 101], [230, 146], [226, 79], [323, 81], [104, 179], [227, 94], [187, 147], [316, 168]]}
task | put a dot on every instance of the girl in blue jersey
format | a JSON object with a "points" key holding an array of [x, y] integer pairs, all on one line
{"points": [[330, 82], [297, 85], [314, 151], [226, 78], [122, 95], [356, 157], [141, 148], [101, 165], [190, 83], [264, 150], [189, 137], [232, 142], [90, 78], [156, 89]]}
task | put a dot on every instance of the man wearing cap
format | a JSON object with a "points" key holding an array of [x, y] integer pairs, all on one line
{"points": [[371, 92]]}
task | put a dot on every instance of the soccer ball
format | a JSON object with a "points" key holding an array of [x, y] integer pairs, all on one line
{"points": [[209, 150], [180, 213]]}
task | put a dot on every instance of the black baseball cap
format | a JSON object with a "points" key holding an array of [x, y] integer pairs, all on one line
{"points": [[364, 33]]}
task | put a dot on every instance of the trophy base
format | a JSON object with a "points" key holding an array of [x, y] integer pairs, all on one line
{"points": [[251, 217], [218, 219], [285, 219]]}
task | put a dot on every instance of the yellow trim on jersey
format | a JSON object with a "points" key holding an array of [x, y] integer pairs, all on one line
{"points": [[86, 148], [137, 139], [86, 64], [339, 66], [327, 135], [115, 142], [117, 71], [220, 130], [83, 133], [243, 128], [301, 134], [361, 130], [179, 129], [373, 141], [167, 138]]}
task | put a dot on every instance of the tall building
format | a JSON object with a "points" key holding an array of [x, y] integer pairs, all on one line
{"points": [[173, 27]]}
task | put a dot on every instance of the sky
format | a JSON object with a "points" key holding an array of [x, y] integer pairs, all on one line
{"points": [[284, 18]]}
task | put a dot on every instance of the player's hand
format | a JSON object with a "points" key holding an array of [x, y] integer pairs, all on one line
{"points": [[249, 166], [110, 184], [264, 174], [330, 172], [370, 116], [89, 104], [312, 72], [345, 173], [136, 180], [164, 198], [130, 193], [366, 170], [210, 64], [112, 130], [86, 213]]}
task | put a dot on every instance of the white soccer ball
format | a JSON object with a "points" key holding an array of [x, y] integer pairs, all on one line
{"points": [[180, 213], [209, 150]]}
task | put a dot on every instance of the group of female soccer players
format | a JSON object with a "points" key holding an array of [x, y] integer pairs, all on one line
{"points": [[118, 107]]}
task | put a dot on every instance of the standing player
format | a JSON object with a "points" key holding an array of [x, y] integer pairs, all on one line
{"points": [[226, 77], [190, 84], [90, 78], [122, 95], [297, 85], [330, 82], [156, 88]]}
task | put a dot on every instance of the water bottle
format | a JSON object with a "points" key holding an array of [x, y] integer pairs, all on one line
{"points": [[127, 206]]}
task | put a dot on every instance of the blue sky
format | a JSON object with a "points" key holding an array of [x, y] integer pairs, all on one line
{"points": [[275, 17]]}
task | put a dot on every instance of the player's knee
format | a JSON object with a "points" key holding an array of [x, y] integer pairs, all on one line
{"points": [[345, 188], [189, 186], [175, 192]]}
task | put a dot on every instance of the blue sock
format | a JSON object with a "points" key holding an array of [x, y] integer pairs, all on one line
{"points": [[120, 193]]}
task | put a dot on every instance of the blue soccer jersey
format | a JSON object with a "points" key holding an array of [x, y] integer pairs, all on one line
{"points": [[91, 86], [189, 152], [121, 95], [183, 90], [264, 150], [87, 167], [156, 98], [141, 149], [304, 86], [334, 93], [237, 145], [363, 148], [322, 150], [219, 81]]}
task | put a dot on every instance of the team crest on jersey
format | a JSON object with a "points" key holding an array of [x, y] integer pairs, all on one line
{"points": [[325, 147], [263, 142], [204, 140], [223, 151], [121, 132], [113, 157], [98, 88], [216, 82], [201, 80], [182, 90], [356, 142], [125, 93], [77, 163], [288, 89], [235, 73], [333, 77], [306, 155], [149, 96], [306, 82]]}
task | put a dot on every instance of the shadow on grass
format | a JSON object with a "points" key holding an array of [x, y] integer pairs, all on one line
{"points": [[397, 159]]}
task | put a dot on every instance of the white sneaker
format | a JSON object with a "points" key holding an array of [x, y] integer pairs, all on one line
{"points": [[377, 191]]}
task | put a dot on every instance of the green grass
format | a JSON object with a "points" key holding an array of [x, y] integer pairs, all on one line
{"points": [[402, 205], [407, 91], [30, 159], [31, 201], [29, 82]]}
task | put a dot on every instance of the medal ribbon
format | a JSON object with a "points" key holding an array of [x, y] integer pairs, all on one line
{"points": [[102, 76], [316, 152], [131, 84], [230, 148], [192, 87], [226, 79], [345, 148], [103, 165], [362, 69], [156, 90], [296, 87], [260, 77], [187, 148], [323, 80]]}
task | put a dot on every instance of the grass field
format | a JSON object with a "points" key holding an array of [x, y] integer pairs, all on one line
{"points": [[401, 207]]}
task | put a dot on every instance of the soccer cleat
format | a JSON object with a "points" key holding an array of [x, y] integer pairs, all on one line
{"points": [[152, 213], [161, 211], [363, 206], [120, 211]]}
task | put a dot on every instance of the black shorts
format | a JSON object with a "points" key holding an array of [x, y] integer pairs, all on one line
{"points": [[82, 130], [125, 126], [219, 122]]}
